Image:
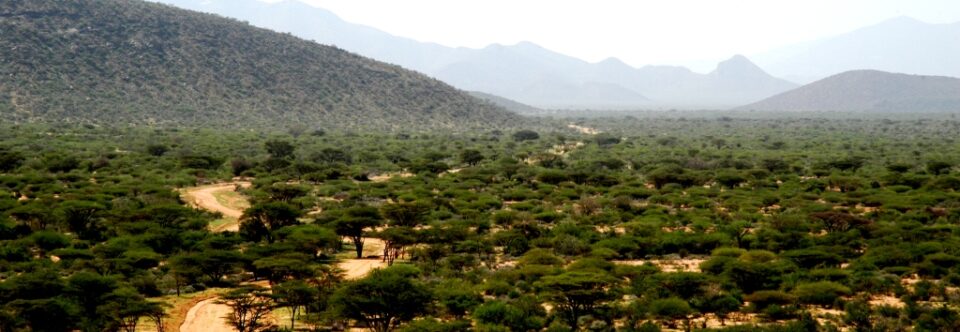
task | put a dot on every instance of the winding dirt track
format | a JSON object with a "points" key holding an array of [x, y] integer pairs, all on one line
{"points": [[205, 197], [207, 316]]}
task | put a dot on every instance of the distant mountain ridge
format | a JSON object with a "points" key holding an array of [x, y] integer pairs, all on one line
{"points": [[902, 45], [870, 91], [524, 72], [118, 61]]}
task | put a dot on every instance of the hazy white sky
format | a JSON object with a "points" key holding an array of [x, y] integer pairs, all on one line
{"points": [[696, 33]]}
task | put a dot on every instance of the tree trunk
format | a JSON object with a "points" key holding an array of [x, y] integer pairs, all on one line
{"points": [[358, 245]]}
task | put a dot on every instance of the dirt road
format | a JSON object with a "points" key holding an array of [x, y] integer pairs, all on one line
{"points": [[207, 316], [221, 197], [359, 267]]}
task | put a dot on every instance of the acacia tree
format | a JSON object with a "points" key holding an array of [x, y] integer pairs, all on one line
{"points": [[406, 214], [294, 294], [354, 224], [471, 157], [672, 309], [384, 299], [577, 292], [127, 307], [403, 217], [261, 220], [185, 268], [80, 217], [395, 241], [249, 307]]}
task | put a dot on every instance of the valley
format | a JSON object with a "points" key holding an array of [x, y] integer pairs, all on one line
{"points": [[163, 169]]}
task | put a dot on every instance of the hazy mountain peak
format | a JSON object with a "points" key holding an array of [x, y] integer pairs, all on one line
{"points": [[613, 62], [900, 44], [903, 19], [738, 65]]}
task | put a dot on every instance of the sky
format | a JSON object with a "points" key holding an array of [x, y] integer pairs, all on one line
{"points": [[695, 33]]}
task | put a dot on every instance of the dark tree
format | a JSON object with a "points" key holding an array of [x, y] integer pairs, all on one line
{"points": [[525, 135], [249, 308], [939, 167], [260, 221], [157, 150], [295, 295], [355, 222], [279, 149], [10, 160], [577, 293], [409, 214], [384, 299], [471, 157]]}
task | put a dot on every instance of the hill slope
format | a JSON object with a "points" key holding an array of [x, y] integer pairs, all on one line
{"points": [[869, 90], [138, 62], [525, 72]]}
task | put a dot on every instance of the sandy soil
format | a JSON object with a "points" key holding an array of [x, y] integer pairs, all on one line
{"points": [[207, 316], [669, 265], [584, 130], [563, 149], [358, 268], [206, 197], [387, 176], [886, 300]]}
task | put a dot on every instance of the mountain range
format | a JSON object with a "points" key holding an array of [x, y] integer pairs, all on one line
{"points": [[136, 62], [524, 72], [533, 75]]}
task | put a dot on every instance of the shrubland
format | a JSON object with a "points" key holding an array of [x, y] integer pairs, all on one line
{"points": [[658, 222]]}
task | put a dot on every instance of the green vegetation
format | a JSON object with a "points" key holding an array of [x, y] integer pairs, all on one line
{"points": [[698, 223]]}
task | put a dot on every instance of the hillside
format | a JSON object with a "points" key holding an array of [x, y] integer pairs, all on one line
{"points": [[524, 72], [869, 90], [144, 63]]}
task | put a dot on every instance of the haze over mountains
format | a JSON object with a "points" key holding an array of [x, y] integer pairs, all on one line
{"points": [[524, 72], [136, 62], [902, 45], [533, 75]]}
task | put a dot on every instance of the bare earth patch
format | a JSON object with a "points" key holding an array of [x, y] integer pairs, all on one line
{"points": [[669, 265], [583, 130], [356, 268], [387, 176], [886, 300]]}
